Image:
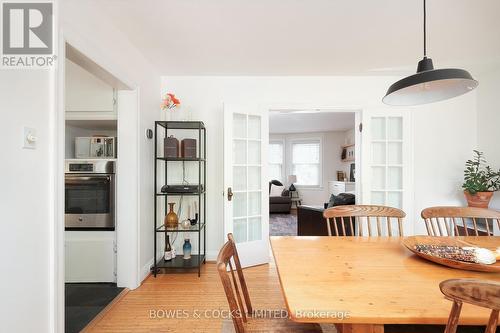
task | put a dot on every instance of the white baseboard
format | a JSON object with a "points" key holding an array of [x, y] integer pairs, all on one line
{"points": [[145, 270], [212, 255]]}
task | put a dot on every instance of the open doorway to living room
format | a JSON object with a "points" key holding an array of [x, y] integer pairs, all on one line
{"points": [[312, 165]]}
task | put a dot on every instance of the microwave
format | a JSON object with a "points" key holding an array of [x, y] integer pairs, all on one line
{"points": [[95, 147]]}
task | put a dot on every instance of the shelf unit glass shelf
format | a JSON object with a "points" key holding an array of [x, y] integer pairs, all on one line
{"points": [[181, 124], [179, 193], [179, 262], [193, 228]]}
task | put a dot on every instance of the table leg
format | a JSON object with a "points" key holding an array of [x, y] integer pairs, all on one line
{"points": [[360, 328]]}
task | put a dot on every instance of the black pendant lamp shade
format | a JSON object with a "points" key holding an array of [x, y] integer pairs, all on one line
{"points": [[428, 84]]}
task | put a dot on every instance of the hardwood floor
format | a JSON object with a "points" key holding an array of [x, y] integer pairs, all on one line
{"points": [[188, 294]]}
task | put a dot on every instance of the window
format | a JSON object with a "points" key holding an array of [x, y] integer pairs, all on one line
{"points": [[276, 161], [306, 162]]}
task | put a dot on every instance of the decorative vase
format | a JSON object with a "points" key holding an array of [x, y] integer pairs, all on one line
{"points": [[171, 220], [186, 249], [186, 224], [178, 114], [480, 199]]}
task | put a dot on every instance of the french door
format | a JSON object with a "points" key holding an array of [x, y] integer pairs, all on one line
{"points": [[387, 161], [246, 203]]}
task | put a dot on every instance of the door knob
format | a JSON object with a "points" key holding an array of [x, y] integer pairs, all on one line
{"points": [[229, 194]]}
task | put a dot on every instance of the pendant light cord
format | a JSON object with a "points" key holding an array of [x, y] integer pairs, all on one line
{"points": [[425, 32]]}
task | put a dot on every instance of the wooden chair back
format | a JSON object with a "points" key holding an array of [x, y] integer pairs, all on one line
{"points": [[485, 294], [374, 218], [452, 221], [236, 289]]}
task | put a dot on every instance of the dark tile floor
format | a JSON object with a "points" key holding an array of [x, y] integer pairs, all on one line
{"points": [[84, 301]]}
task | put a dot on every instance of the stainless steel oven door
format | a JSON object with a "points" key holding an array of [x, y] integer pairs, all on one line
{"points": [[89, 201]]}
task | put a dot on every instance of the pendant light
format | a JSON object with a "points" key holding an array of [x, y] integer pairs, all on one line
{"points": [[428, 84]]}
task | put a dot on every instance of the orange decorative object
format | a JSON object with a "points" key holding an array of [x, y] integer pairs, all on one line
{"points": [[169, 102]]}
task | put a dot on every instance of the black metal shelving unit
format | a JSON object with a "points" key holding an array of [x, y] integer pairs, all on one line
{"points": [[162, 130]]}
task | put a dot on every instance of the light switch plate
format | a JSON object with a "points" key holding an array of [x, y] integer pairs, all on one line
{"points": [[29, 138]]}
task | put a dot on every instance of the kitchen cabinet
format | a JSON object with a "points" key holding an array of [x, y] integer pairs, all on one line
{"points": [[87, 97], [90, 256], [337, 187]]}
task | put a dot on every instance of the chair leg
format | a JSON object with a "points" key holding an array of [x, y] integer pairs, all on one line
{"points": [[451, 326], [493, 322]]}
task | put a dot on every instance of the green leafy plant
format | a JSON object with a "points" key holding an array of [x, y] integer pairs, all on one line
{"points": [[479, 177]]}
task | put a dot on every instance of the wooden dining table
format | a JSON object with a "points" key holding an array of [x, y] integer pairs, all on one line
{"points": [[361, 283]]}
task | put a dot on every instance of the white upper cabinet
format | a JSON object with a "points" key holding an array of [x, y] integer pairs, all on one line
{"points": [[87, 97]]}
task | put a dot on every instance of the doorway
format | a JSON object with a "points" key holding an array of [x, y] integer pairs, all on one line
{"points": [[98, 224], [246, 179], [312, 162]]}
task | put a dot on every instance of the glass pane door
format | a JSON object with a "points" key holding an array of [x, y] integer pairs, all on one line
{"points": [[386, 161], [246, 165], [246, 206]]}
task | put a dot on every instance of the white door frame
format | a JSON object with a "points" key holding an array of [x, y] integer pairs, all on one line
{"points": [[128, 253], [358, 117]]}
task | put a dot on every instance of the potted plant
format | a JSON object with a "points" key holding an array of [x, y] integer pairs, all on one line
{"points": [[480, 181]]}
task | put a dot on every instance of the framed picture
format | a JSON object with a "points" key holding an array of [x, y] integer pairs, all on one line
{"points": [[341, 176]]}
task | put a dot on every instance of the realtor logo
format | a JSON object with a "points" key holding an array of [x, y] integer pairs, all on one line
{"points": [[27, 34]]}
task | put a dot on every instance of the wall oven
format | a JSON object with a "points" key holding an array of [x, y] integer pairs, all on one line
{"points": [[90, 195]]}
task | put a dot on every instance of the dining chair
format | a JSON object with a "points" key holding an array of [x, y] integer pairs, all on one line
{"points": [[458, 221], [485, 294], [379, 220], [239, 299]]}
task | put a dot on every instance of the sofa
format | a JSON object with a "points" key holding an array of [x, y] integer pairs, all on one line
{"points": [[279, 204], [310, 220]]}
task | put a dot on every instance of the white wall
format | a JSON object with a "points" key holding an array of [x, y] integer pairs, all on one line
{"points": [[332, 143], [440, 143], [29, 177], [26, 201], [444, 137], [488, 121], [89, 31], [85, 92]]}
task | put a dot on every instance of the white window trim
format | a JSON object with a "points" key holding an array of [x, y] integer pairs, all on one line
{"points": [[283, 162], [291, 142]]}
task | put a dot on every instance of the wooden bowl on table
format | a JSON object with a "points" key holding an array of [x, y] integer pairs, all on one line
{"points": [[490, 243]]}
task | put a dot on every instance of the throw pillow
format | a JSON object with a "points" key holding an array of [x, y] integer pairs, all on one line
{"points": [[276, 191], [342, 199], [331, 202]]}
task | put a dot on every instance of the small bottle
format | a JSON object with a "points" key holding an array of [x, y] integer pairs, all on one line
{"points": [[168, 249], [186, 249]]}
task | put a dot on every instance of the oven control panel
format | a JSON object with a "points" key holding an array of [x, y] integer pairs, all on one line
{"points": [[81, 167], [90, 166]]}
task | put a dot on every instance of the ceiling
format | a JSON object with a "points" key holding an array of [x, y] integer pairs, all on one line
{"points": [[307, 37], [304, 122]]}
